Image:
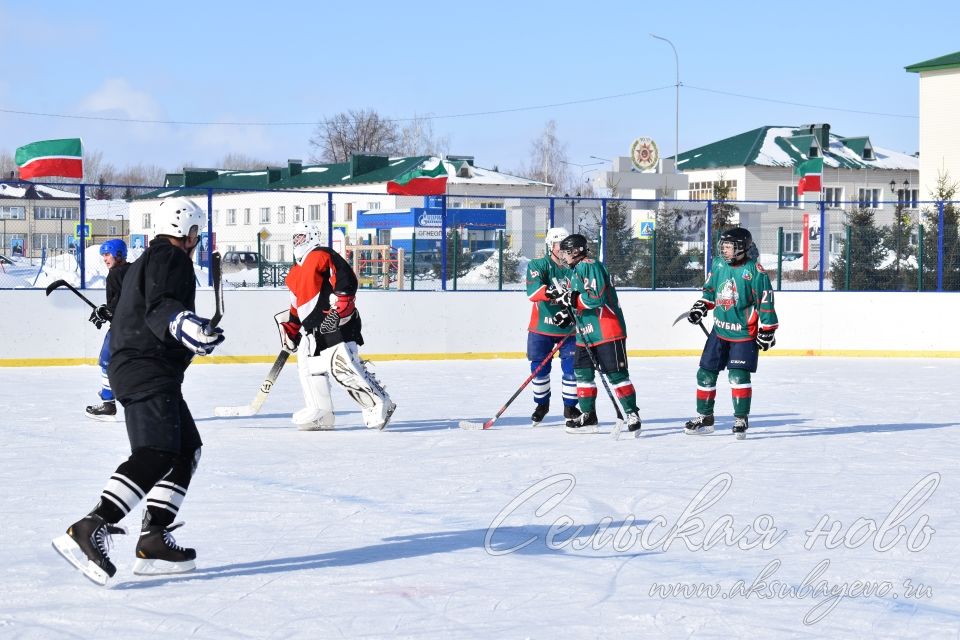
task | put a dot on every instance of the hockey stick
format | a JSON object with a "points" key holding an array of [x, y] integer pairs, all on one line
{"points": [[477, 426], [253, 408], [63, 283], [683, 316], [217, 274]]}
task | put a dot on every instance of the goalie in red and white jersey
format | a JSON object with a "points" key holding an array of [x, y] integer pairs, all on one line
{"points": [[324, 324]]}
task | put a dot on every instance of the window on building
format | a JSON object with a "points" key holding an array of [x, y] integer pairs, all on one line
{"points": [[833, 197], [146, 221], [216, 217], [231, 217], [373, 206], [266, 251], [41, 241], [836, 240], [246, 216], [56, 213], [112, 230], [348, 212], [281, 215], [281, 253], [264, 215], [298, 214], [13, 213], [908, 198], [314, 212], [491, 205], [787, 197], [868, 198], [791, 241]]}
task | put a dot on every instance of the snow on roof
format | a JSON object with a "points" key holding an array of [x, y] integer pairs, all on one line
{"points": [[770, 152]]}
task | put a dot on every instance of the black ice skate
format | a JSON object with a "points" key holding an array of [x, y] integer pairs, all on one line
{"points": [[699, 426], [584, 423], [570, 413], [105, 411], [85, 546], [740, 425], [158, 553], [539, 413], [633, 422]]}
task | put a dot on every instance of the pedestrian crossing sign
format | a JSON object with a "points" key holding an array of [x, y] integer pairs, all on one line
{"points": [[646, 229]]}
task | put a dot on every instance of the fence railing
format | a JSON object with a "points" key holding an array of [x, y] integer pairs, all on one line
{"points": [[484, 241]]}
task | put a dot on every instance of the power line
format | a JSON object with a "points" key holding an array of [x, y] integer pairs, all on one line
{"points": [[800, 104]]}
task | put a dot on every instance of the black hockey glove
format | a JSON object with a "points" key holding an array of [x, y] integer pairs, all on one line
{"points": [[331, 322], [100, 315], [553, 292], [697, 311], [569, 298], [562, 318], [765, 339]]}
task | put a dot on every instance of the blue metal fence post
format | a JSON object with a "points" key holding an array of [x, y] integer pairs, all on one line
{"points": [[443, 243], [940, 246], [82, 254], [330, 222], [210, 238], [603, 229], [824, 236], [552, 211]]}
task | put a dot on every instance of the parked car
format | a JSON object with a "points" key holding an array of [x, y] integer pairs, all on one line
{"points": [[239, 260]]}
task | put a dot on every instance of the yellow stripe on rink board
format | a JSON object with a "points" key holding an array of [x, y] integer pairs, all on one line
{"points": [[508, 355]]}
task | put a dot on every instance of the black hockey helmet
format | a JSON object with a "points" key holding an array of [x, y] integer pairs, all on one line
{"points": [[574, 245], [742, 243]]}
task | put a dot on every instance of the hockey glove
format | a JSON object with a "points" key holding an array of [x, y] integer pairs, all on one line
{"points": [[553, 292], [765, 339], [343, 303], [190, 329], [697, 311], [569, 298], [101, 315], [562, 318], [289, 331]]}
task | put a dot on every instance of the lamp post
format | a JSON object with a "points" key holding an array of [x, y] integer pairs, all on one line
{"points": [[676, 59], [901, 203], [583, 170]]}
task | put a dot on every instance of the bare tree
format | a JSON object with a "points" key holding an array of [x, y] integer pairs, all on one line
{"points": [[243, 162], [149, 175], [547, 158], [345, 134], [8, 168], [417, 138]]}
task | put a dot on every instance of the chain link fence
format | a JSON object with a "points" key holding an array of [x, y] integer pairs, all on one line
{"points": [[484, 242]]}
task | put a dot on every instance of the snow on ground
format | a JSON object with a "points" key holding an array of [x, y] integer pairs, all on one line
{"points": [[408, 532]]}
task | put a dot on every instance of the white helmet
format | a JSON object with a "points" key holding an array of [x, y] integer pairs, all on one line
{"points": [[554, 235], [176, 216], [306, 238]]}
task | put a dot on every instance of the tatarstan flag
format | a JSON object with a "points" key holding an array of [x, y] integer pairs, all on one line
{"points": [[420, 182], [810, 172], [63, 158]]}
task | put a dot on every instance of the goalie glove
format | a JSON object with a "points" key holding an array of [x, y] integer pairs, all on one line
{"points": [[191, 331], [765, 339], [289, 331], [342, 307], [697, 311], [100, 315]]}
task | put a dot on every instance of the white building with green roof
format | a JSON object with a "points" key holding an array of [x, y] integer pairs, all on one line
{"points": [[939, 133]]}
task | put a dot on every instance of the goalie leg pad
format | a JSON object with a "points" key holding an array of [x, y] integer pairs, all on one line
{"points": [[318, 413], [350, 373]]}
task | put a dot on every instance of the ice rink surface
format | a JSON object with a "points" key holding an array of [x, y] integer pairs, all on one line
{"points": [[429, 531]]}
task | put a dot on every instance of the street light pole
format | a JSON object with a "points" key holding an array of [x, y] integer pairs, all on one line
{"points": [[676, 59]]}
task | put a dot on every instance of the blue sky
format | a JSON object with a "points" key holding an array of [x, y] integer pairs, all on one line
{"points": [[298, 62]]}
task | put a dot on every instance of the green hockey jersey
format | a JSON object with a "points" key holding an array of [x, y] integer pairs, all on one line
{"points": [[600, 316], [741, 298], [541, 272]]}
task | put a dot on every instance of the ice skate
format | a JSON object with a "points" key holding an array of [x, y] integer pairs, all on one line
{"points": [[105, 411], [584, 423], [740, 425], [699, 426], [158, 553], [310, 419], [570, 413], [634, 423], [85, 546], [378, 416], [539, 414]]}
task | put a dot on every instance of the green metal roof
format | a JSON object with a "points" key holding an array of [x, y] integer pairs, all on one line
{"points": [[361, 170], [783, 146], [943, 62]]}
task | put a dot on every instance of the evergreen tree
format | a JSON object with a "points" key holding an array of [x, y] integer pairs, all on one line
{"points": [[675, 265], [866, 252], [622, 250], [723, 211], [454, 247], [101, 192], [945, 191]]}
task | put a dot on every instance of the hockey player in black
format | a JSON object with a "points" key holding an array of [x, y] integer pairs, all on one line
{"points": [[154, 337], [114, 254]]}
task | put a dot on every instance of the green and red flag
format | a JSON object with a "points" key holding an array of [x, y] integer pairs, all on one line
{"points": [[420, 181], [62, 158], [810, 172]]}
